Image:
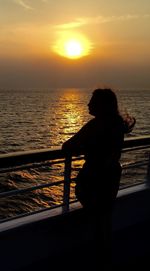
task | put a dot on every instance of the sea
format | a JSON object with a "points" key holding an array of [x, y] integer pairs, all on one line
{"points": [[33, 119]]}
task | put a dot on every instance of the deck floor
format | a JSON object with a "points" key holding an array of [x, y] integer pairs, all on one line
{"points": [[131, 249]]}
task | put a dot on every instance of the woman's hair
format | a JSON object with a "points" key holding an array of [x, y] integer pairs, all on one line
{"points": [[129, 122], [104, 102]]}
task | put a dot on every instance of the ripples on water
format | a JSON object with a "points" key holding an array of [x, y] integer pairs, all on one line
{"points": [[35, 119]]}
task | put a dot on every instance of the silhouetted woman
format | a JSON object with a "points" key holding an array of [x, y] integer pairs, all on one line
{"points": [[101, 141]]}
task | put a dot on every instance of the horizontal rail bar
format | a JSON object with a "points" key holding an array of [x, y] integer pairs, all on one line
{"points": [[41, 186], [131, 142], [35, 212], [28, 189], [33, 165], [28, 157], [136, 164], [136, 148]]}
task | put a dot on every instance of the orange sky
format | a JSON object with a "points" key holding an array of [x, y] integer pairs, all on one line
{"points": [[114, 38]]}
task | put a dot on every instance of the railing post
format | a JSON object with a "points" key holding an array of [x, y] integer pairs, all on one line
{"points": [[148, 171], [67, 176]]}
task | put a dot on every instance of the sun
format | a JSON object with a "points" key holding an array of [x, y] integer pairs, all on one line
{"points": [[73, 49], [72, 46]]}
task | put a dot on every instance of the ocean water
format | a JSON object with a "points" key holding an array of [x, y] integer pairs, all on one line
{"points": [[35, 119], [44, 118]]}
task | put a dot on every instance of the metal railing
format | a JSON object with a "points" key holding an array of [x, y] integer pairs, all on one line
{"points": [[30, 159]]}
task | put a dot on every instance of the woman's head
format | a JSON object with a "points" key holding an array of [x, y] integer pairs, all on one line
{"points": [[103, 103]]}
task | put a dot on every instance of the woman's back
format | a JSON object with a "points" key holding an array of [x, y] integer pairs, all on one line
{"points": [[101, 141]]}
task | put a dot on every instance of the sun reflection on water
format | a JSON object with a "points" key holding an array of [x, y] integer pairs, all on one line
{"points": [[73, 114], [62, 116]]}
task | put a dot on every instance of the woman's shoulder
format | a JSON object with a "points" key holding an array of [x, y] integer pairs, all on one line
{"points": [[91, 123]]}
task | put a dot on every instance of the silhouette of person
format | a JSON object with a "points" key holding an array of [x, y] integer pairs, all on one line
{"points": [[101, 141]]}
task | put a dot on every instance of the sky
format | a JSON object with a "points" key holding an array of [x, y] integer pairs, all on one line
{"points": [[114, 36]]}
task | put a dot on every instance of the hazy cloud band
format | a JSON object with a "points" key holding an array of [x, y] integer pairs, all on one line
{"points": [[99, 20]]}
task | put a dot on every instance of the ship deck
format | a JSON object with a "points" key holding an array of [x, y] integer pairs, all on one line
{"points": [[59, 239], [62, 242]]}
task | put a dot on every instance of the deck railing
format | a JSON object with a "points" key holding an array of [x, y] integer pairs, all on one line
{"points": [[30, 159]]}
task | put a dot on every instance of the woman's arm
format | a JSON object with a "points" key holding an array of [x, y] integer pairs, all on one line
{"points": [[78, 141]]}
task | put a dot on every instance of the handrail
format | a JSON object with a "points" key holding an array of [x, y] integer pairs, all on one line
{"points": [[131, 142], [28, 189], [29, 159], [37, 156]]}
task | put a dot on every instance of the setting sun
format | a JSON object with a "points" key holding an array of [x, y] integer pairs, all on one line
{"points": [[72, 46]]}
